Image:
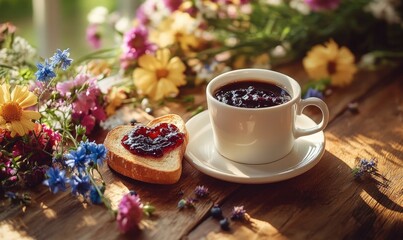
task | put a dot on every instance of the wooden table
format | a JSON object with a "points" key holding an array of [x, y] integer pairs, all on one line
{"points": [[323, 203]]}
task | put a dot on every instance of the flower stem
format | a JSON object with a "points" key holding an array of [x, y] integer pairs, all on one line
{"points": [[105, 200]]}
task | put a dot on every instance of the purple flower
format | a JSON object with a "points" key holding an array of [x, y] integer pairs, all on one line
{"points": [[80, 185], [201, 191], [172, 5], [45, 71], [312, 92], [238, 213], [365, 166], [320, 5], [93, 36], [135, 45], [62, 58], [130, 213], [56, 179]]}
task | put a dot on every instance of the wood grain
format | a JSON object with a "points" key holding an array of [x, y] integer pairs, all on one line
{"points": [[324, 202]]}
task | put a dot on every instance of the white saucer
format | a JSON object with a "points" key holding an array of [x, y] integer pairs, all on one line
{"points": [[202, 155]]}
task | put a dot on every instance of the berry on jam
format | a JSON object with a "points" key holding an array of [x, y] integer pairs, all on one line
{"points": [[153, 142], [252, 94]]}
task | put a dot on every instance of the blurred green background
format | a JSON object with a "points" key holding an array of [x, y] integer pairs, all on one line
{"points": [[72, 22]]}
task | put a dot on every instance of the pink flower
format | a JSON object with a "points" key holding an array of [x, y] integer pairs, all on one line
{"points": [[130, 213], [99, 113], [84, 103], [142, 16], [88, 122], [93, 36], [53, 137], [135, 44], [65, 88], [172, 5], [319, 5], [86, 109]]}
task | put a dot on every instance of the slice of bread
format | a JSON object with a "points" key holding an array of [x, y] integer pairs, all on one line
{"points": [[164, 170]]}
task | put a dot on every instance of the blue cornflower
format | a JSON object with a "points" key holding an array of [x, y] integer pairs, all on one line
{"points": [[56, 180], [61, 57], [80, 185], [94, 195], [45, 71], [77, 158], [312, 92], [95, 152]]}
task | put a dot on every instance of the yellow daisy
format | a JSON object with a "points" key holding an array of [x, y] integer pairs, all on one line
{"points": [[179, 28], [159, 76], [115, 99], [13, 115], [330, 61]]}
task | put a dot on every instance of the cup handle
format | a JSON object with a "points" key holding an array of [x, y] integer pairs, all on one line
{"points": [[299, 132]]}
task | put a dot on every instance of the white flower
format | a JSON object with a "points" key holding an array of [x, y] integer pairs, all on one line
{"points": [[368, 61], [122, 25], [385, 9], [20, 53], [97, 15], [300, 6], [274, 2], [156, 11]]}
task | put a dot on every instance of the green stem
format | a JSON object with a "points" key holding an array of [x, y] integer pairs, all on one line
{"points": [[44, 90], [254, 42], [387, 54], [105, 200], [6, 66], [93, 55]]}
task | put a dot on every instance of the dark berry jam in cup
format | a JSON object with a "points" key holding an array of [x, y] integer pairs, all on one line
{"points": [[153, 142], [252, 94]]}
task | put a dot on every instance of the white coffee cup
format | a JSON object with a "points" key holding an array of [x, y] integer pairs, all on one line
{"points": [[259, 135]]}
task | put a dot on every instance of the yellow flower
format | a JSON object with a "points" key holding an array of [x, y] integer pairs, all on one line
{"points": [[114, 99], [13, 115], [99, 67], [179, 28], [159, 76], [330, 61]]}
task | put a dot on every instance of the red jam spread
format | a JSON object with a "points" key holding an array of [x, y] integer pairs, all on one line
{"points": [[153, 142]]}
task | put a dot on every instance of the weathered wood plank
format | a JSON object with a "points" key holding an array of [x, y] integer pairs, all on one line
{"points": [[326, 202]]}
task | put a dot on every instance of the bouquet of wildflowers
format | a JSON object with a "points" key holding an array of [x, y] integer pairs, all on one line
{"points": [[174, 43], [44, 121]]}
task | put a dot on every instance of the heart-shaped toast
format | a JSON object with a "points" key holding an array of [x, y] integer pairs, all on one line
{"points": [[151, 153]]}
